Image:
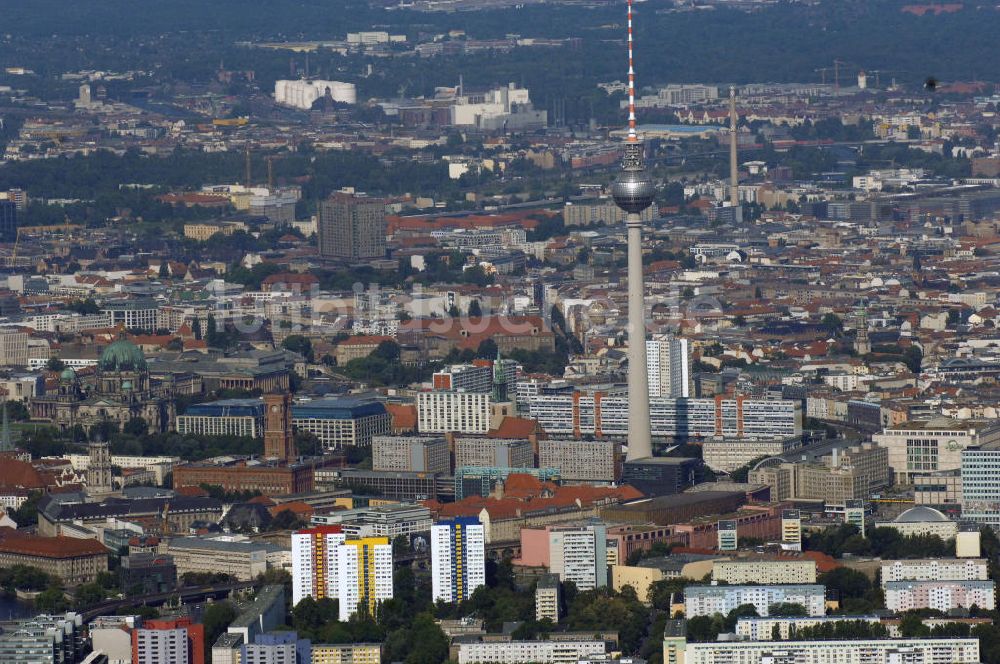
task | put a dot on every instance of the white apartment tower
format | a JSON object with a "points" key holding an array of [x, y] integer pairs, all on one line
{"points": [[669, 362], [579, 554], [458, 559], [314, 564]]}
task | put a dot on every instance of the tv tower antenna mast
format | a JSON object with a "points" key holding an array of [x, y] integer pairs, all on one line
{"points": [[633, 192]]}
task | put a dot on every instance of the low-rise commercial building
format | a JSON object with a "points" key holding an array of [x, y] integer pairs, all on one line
{"points": [[732, 453], [147, 573]]}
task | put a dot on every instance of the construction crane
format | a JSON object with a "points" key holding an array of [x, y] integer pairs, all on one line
{"points": [[822, 71], [246, 180], [836, 73]]}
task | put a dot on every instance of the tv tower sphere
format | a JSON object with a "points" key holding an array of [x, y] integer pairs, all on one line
{"points": [[633, 189]]}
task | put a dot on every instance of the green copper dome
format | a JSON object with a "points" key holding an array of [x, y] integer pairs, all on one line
{"points": [[122, 355], [68, 374]]}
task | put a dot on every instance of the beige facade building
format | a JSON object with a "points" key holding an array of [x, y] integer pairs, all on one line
{"points": [[838, 477], [547, 598], [242, 560], [13, 348], [578, 460], [599, 211], [942, 487], [738, 572], [730, 454], [73, 560], [347, 653], [203, 231], [922, 520], [925, 446], [494, 452], [352, 227], [421, 454]]}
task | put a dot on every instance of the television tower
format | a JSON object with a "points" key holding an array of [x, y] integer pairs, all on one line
{"points": [[734, 169], [633, 192]]}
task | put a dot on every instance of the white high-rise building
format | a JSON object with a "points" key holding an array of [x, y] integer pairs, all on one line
{"points": [[458, 559], [668, 359], [458, 412], [364, 574], [314, 563], [579, 554], [354, 571]]}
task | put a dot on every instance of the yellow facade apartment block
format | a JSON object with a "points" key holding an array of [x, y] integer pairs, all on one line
{"points": [[348, 653]]}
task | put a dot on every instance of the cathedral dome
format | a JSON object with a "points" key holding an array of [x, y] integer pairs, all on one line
{"points": [[68, 374], [122, 355]]}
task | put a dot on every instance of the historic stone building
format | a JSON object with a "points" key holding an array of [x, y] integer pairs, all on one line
{"points": [[121, 392]]}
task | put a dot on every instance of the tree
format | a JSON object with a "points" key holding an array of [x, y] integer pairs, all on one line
{"points": [[912, 626], [299, 344], [430, 645], [787, 609], [487, 349], [52, 600], [88, 594], [741, 611], [846, 581], [913, 357], [216, 619], [703, 629], [164, 270], [55, 364], [475, 310], [137, 427], [832, 324], [196, 328], [387, 350], [17, 411]]}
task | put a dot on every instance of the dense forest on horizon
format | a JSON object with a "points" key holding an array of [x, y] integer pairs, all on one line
{"points": [[784, 42]]}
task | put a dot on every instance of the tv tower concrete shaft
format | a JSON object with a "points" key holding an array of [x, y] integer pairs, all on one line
{"points": [[734, 169], [640, 437]]}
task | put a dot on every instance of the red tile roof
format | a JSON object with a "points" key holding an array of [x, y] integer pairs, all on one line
{"points": [[404, 417], [515, 427], [52, 547]]}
